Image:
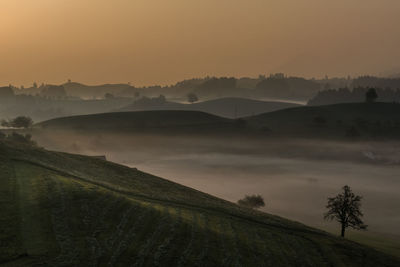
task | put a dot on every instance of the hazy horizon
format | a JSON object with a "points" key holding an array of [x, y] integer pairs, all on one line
{"points": [[159, 42]]}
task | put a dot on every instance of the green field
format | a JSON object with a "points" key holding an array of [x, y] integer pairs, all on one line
{"points": [[60, 209]]}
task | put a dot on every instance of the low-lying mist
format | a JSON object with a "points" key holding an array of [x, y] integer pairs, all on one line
{"points": [[295, 177]]}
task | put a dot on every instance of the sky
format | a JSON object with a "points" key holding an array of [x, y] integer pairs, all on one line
{"points": [[160, 42]]}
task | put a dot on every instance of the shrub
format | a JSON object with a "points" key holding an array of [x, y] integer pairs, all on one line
{"points": [[20, 138], [371, 95], [253, 202], [22, 122], [18, 122]]}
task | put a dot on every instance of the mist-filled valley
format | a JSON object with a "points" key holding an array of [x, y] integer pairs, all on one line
{"points": [[295, 176]]}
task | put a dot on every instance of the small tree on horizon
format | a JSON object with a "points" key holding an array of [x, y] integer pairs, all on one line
{"points": [[345, 208], [192, 97], [253, 201], [108, 96], [371, 95]]}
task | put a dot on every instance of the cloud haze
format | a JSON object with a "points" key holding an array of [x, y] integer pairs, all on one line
{"points": [[158, 41]]}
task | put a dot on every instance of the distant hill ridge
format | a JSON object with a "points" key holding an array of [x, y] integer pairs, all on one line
{"points": [[229, 107]]}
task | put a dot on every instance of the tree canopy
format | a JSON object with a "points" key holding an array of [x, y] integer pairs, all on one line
{"points": [[345, 208], [192, 97], [371, 95], [18, 122]]}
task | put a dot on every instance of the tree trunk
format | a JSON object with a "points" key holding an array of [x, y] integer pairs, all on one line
{"points": [[343, 229]]}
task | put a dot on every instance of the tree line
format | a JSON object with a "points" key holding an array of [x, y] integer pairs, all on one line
{"points": [[345, 95]]}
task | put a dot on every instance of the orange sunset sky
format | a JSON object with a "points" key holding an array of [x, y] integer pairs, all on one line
{"points": [[162, 41]]}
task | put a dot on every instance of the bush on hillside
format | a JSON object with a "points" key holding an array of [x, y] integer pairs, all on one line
{"points": [[18, 138], [18, 122], [252, 202]]}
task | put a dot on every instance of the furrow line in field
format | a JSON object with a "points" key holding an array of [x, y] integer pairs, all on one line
{"points": [[163, 248], [204, 251], [140, 259], [127, 238], [189, 249], [64, 237], [234, 238], [98, 249]]}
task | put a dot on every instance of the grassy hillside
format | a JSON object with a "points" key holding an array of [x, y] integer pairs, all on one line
{"points": [[230, 107], [65, 210], [339, 120]]}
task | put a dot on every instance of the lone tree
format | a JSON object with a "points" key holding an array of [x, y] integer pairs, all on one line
{"points": [[345, 209], [192, 97], [253, 202], [371, 95], [108, 96]]}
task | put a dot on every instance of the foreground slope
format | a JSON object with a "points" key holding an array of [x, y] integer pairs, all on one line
{"points": [[65, 210]]}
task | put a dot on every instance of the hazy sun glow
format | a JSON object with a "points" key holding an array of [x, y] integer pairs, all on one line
{"points": [[158, 41]]}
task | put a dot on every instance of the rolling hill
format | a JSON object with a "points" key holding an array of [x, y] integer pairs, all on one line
{"points": [[350, 120], [373, 120], [230, 107], [170, 120], [61, 209]]}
